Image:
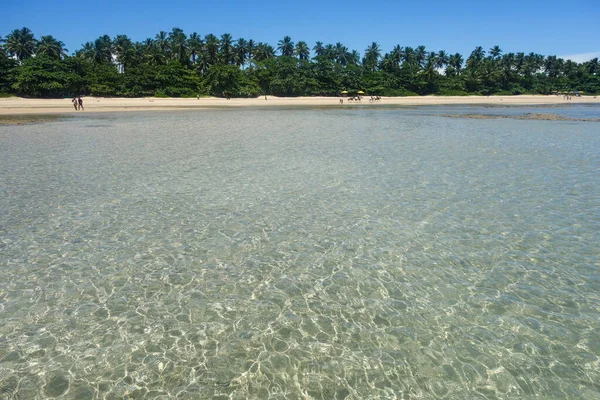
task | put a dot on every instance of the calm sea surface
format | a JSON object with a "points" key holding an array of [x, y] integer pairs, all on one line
{"points": [[286, 254]]}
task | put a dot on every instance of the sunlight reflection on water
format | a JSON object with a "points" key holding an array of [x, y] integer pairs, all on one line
{"points": [[322, 254]]}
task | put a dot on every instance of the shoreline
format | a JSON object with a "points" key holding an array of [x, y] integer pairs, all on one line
{"points": [[20, 106]]}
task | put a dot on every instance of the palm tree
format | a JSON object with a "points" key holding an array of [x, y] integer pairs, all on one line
{"points": [[551, 66], [476, 57], [241, 52], [153, 54], [354, 57], [593, 66], [456, 62], [532, 63], [148, 43], [450, 70], [106, 41], [507, 62], [387, 63], [519, 61], [251, 47], [489, 73], [340, 54], [302, 51], [472, 79], [162, 41], [420, 55], [441, 59], [372, 55], [569, 67], [178, 45], [329, 52], [263, 51], [86, 51], [226, 48], [99, 51], [211, 46], [538, 60], [51, 47], [319, 49], [431, 64], [495, 52], [286, 46], [202, 63], [194, 45], [125, 51], [20, 43], [409, 55], [396, 55], [506, 76]]}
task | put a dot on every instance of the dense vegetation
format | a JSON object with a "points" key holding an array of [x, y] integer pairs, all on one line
{"points": [[175, 64]]}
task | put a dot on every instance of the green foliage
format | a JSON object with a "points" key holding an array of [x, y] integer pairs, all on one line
{"points": [[43, 76], [503, 93], [103, 81], [327, 79], [171, 80], [454, 92], [174, 64], [591, 85], [229, 81], [7, 70], [398, 93]]}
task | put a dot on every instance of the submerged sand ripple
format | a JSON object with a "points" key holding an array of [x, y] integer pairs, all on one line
{"points": [[28, 119], [526, 116]]}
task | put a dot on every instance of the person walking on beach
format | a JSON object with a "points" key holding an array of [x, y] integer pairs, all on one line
{"points": [[74, 101], [80, 102]]}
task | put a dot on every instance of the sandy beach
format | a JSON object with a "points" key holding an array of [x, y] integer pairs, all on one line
{"points": [[17, 105]]}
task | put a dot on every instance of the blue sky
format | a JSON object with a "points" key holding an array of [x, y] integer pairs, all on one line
{"points": [[548, 27]]}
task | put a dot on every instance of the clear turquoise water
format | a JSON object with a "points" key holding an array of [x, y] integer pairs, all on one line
{"points": [[364, 253]]}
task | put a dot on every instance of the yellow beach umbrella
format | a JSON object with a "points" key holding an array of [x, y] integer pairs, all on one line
{"points": [[360, 92], [344, 92]]}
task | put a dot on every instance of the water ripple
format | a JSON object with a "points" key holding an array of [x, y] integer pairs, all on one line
{"points": [[299, 254]]}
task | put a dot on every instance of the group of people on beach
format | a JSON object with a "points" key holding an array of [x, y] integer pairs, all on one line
{"points": [[373, 99], [77, 103], [352, 98]]}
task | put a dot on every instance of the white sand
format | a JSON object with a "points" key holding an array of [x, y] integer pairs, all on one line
{"points": [[16, 105]]}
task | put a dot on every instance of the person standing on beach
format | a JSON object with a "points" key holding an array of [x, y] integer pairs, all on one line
{"points": [[80, 103], [74, 101]]}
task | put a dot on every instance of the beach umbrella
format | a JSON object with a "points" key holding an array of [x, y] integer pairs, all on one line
{"points": [[344, 92], [360, 92]]}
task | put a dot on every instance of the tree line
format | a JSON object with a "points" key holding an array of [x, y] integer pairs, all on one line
{"points": [[179, 65]]}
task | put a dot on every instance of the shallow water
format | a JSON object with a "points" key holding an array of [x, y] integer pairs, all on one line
{"points": [[364, 253]]}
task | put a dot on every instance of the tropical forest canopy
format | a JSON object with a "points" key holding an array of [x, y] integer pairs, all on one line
{"points": [[180, 65]]}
